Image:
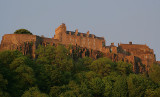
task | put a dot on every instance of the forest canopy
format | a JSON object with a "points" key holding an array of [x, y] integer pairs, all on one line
{"points": [[56, 73]]}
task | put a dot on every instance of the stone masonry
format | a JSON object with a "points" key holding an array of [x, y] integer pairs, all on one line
{"points": [[141, 56]]}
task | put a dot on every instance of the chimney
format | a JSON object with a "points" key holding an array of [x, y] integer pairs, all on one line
{"points": [[92, 36], [112, 44], [63, 24], [76, 32], [88, 34], [130, 43]]}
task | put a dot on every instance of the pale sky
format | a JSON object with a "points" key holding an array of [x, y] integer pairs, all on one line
{"points": [[116, 20]]}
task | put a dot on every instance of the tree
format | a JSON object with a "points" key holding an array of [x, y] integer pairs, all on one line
{"points": [[62, 59], [3, 87], [22, 76], [43, 75], [97, 86], [53, 66], [22, 31], [152, 92], [154, 72], [3, 82], [6, 57], [47, 76], [46, 55], [55, 91], [75, 90], [109, 83], [108, 88], [71, 90], [23, 71], [124, 68], [34, 92], [58, 57], [82, 64], [102, 66], [120, 87], [85, 91], [138, 84]]}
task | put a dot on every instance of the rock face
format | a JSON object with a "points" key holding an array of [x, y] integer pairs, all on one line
{"points": [[83, 44]]}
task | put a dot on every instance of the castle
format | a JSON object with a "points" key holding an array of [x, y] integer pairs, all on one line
{"points": [[141, 56]]}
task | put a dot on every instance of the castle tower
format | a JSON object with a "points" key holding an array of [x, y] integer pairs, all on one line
{"points": [[59, 31]]}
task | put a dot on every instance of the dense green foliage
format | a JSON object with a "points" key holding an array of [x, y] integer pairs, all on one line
{"points": [[22, 31], [55, 73]]}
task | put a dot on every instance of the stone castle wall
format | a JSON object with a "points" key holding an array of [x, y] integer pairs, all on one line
{"points": [[11, 41], [88, 42], [76, 38], [25, 43], [141, 56]]}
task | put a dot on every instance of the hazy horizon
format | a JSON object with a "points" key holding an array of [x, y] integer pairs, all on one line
{"points": [[118, 21]]}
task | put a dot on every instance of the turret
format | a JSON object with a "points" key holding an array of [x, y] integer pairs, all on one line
{"points": [[59, 31], [88, 34], [92, 35], [130, 43], [76, 32]]}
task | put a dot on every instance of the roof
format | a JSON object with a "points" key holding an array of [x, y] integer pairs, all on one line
{"points": [[84, 34], [133, 45]]}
